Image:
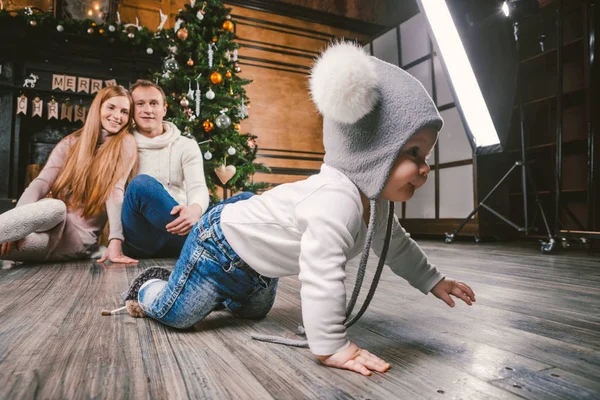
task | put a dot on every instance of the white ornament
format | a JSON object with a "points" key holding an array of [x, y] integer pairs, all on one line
{"points": [[231, 151], [112, 28], [207, 155], [200, 15], [235, 55], [28, 11], [30, 82], [227, 55], [136, 25], [190, 93], [210, 55], [177, 25], [210, 94], [173, 49], [243, 113], [192, 3], [60, 28], [149, 50], [198, 96], [163, 20]]}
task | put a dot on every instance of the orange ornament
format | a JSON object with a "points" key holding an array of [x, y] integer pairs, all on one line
{"points": [[228, 26], [182, 34], [228, 74], [216, 78], [208, 125], [214, 39], [190, 62]]}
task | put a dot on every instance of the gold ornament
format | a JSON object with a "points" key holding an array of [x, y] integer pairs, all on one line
{"points": [[93, 24], [33, 22], [231, 91], [208, 125], [216, 78], [214, 39], [228, 26], [182, 34], [190, 62], [101, 31], [237, 68], [236, 127], [228, 74], [184, 102], [90, 30]]}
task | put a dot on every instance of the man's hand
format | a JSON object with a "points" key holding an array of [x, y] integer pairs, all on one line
{"points": [[355, 359], [188, 216], [7, 247], [447, 287], [114, 254]]}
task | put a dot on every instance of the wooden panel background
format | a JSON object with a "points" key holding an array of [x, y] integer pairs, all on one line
{"points": [[276, 54]]}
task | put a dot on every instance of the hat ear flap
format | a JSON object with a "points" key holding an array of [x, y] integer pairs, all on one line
{"points": [[343, 83]]}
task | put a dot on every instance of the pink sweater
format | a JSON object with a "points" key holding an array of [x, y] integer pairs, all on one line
{"points": [[79, 235]]}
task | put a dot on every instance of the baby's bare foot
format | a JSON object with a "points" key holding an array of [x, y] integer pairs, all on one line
{"points": [[134, 309]]}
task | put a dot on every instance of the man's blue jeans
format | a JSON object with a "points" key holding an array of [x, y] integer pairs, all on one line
{"points": [[208, 276], [146, 211]]}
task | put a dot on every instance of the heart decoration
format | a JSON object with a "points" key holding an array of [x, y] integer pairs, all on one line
{"points": [[225, 173]]}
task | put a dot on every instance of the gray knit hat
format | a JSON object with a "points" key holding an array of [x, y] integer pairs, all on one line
{"points": [[370, 110]]}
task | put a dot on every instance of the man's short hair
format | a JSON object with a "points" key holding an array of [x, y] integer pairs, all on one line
{"points": [[145, 83]]}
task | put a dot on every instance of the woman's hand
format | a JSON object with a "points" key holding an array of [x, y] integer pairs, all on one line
{"points": [[355, 359], [114, 254], [7, 247], [447, 287]]}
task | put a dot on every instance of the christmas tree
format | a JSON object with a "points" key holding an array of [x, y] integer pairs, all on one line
{"points": [[206, 97]]}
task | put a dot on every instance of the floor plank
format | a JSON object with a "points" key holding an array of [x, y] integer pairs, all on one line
{"points": [[533, 333]]}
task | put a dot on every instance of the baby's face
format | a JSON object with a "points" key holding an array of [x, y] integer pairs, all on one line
{"points": [[410, 170]]}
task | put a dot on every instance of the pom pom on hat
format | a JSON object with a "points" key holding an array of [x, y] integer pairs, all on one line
{"points": [[343, 83]]}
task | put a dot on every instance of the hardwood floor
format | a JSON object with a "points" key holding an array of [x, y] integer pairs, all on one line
{"points": [[533, 333]]}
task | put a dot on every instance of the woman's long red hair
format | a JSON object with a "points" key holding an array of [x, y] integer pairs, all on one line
{"points": [[91, 172]]}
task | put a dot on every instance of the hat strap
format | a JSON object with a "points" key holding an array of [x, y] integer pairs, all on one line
{"points": [[363, 265]]}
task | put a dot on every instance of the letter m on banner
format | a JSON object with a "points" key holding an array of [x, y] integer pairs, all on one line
{"points": [[58, 82]]}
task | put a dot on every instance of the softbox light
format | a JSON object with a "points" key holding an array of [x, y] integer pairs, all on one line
{"points": [[479, 53]]}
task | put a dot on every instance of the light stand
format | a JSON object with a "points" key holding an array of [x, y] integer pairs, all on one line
{"points": [[523, 164]]}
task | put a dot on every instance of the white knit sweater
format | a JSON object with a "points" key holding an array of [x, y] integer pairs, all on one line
{"points": [[176, 162], [311, 229]]}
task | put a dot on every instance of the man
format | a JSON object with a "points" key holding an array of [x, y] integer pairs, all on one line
{"points": [[169, 194]]}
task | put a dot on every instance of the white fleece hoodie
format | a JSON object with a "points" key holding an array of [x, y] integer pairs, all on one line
{"points": [[176, 162]]}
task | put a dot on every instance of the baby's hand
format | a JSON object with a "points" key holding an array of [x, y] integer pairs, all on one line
{"points": [[355, 359], [447, 287]]}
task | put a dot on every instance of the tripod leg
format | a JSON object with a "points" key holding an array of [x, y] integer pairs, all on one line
{"points": [[548, 246], [450, 236], [539, 203]]}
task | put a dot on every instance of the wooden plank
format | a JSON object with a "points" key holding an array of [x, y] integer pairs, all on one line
{"points": [[550, 384], [535, 316]]}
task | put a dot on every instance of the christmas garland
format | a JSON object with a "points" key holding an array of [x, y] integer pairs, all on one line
{"points": [[42, 23]]}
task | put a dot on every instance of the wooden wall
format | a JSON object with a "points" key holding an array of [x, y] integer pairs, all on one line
{"points": [[276, 54]]}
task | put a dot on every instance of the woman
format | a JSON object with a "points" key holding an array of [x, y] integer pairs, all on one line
{"points": [[85, 175]]}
